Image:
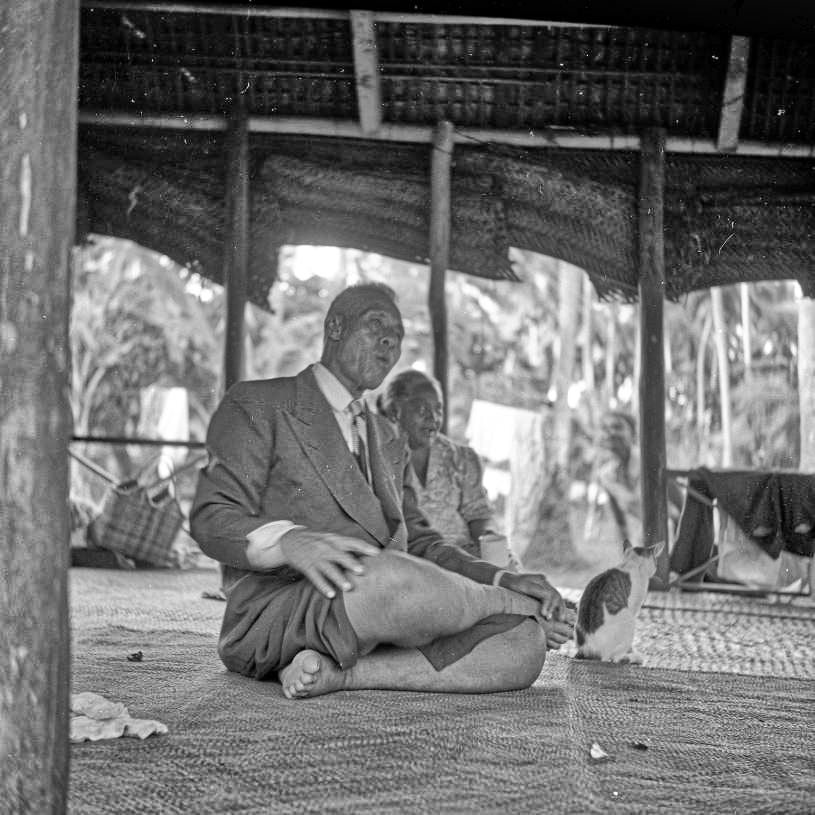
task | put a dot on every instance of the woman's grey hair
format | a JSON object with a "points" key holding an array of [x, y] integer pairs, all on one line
{"points": [[402, 386]]}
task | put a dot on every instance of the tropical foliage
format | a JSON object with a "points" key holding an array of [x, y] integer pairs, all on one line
{"points": [[140, 320]]}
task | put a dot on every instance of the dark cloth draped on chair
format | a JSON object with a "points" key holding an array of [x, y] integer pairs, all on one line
{"points": [[775, 509]]}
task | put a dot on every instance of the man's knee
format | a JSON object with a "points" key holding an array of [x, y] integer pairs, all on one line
{"points": [[528, 642], [390, 572]]}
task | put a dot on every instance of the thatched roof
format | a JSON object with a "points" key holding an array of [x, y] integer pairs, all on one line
{"points": [[328, 168]]}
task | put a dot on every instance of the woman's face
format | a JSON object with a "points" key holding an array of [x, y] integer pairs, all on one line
{"points": [[420, 415]]}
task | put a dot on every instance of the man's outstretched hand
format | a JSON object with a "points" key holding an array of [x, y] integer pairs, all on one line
{"points": [[329, 561], [537, 586]]}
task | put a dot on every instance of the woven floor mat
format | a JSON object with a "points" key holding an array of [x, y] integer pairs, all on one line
{"points": [[694, 632], [677, 741], [149, 600]]}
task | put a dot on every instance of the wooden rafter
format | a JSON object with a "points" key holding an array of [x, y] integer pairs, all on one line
{"points": [[733, 97], [338, 128], [366, 70]]}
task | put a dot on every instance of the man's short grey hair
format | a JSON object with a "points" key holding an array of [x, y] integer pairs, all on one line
{"points": [[354, 301]]}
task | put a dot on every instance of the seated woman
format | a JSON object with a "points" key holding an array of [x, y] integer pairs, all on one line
{"points": [[450, 491]]}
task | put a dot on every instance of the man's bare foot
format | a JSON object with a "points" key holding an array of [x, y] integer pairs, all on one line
{"points": [[310, 674], [557, 633]]}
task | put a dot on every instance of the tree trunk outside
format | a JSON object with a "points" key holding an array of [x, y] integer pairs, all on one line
{"points": [[528, 479], [720, 341], [587, 350], [636, 374], [806, 381], [38, 74], [746, 333], [611, 355], [569, 282], [539, 506], [701, 423]]}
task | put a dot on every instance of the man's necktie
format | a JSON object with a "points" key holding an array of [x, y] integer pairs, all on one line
{"points": [[357, 409]]}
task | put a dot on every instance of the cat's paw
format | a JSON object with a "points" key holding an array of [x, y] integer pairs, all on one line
{"points": [[631, 658]]}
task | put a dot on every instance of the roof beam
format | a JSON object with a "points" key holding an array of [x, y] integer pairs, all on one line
{"points": [[349, 129], [326, 14], [366, 71], [735, 84]]}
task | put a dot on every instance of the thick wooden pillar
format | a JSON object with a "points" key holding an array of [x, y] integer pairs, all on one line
{"points": [[38, 73], [236, 247], [652, 352], [440, 249]]}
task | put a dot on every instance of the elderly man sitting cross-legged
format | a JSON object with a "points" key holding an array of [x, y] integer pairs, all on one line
{"points": [[334, 578]]}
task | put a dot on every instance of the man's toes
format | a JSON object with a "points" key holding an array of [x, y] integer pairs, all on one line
{"points": [[310, 665], [295, 690]]}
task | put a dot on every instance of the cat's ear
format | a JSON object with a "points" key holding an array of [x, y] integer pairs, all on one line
{"points": [[627, 547], [656, 549]]}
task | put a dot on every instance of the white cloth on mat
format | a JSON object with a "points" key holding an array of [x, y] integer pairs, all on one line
{"points": [[94, 718]]}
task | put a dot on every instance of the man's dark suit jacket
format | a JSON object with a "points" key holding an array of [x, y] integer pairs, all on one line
{"points": [[277, 453]]}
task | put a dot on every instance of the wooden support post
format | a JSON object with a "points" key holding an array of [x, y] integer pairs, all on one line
{"points": [[440, 249], [652, 352], [236, 247], [366, 71], [38, 65], [735, 88]]}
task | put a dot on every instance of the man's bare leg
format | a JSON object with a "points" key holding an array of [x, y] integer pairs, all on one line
{"points": [[407, 601], [508, 661]]}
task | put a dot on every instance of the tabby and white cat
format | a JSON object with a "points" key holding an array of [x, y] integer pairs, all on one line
{"points": [[609, 605]]}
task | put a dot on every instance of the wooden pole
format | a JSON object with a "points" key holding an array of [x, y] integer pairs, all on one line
{"points": [[366, 71], [38, 73], [652, 352], [440, 249], [236, 247], [735, 90]]}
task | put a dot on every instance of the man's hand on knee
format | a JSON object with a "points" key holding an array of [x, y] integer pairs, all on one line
{"points": [[328, 560], [536, 585]]}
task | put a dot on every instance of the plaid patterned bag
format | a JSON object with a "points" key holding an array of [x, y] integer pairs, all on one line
{"points": [[137, 520], [138, 524]]}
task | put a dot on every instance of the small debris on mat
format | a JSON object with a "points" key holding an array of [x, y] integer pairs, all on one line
{"points": [[598, 753], [94, 718], [136, 656]]}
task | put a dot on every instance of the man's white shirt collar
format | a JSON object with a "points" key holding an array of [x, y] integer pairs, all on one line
{"points": [[334, 391]]}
